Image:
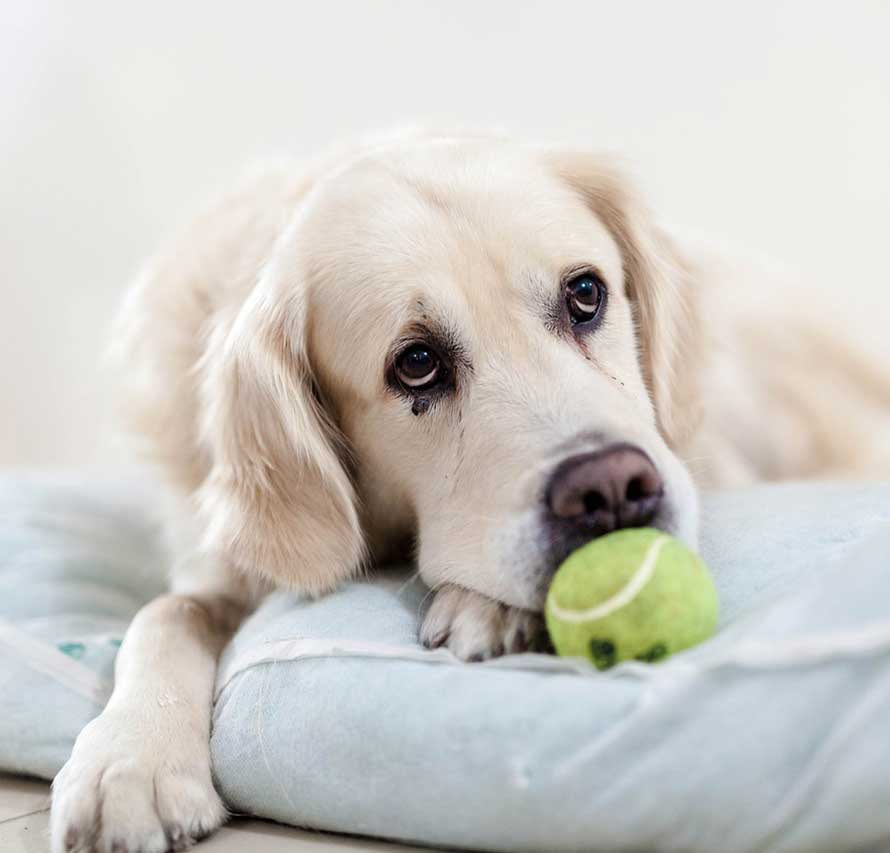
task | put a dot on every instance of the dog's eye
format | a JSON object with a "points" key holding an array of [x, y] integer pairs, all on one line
{"points": [[584, 297], [418, 367]]}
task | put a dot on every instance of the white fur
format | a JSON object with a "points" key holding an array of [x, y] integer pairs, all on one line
{"points": [[256, 350]]}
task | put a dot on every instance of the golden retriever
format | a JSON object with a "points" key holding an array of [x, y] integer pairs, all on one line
{"points": [[483, 351]]}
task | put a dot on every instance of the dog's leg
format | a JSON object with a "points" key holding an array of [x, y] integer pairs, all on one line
{"points": [[476, 627], [138, 778]]}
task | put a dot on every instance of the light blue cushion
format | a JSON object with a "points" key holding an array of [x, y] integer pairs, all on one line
{"points": [[77, 560], [330, 715]]}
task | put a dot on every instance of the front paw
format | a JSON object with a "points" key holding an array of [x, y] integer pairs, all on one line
{"points": [[475, 627], [130, 787]]}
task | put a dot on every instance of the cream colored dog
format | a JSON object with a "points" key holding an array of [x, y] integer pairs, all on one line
{"points": [[482, 350]]}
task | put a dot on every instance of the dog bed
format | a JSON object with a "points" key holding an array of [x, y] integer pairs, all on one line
{"points": [[330, 715]]}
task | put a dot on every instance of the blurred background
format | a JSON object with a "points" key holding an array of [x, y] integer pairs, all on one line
{"points": [[765, 124]]}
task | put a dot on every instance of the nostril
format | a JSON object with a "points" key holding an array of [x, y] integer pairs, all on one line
{"points": [[636, 490], [594, 502]]}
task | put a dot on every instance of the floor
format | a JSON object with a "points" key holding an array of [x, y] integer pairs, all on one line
{"points": [[24, 818]]}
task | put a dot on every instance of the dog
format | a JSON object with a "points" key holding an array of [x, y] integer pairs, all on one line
{"points": [[463, 347]]}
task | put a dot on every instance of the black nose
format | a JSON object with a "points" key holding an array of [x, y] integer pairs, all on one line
{"points": [[596, 493]]}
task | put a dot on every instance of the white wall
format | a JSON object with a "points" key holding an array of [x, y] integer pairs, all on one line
{"points": [[767, 123]]}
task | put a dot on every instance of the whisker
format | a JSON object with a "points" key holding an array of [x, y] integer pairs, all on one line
{"points": [[422, 602], [410, 579]]}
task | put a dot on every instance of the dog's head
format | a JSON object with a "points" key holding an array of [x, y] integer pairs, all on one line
{"points": [[482, 347]]}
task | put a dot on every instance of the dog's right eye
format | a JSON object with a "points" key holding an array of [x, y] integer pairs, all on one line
{"points": [[418, 367]]}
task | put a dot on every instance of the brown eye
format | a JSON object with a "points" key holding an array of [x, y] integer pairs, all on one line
{"points": [[417, 367], [584, 297]]}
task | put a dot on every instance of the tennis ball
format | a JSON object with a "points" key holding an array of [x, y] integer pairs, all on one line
{"points": [[634, 594]]}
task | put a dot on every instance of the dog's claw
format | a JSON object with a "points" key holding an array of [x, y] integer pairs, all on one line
{"points": [[437, 641]]}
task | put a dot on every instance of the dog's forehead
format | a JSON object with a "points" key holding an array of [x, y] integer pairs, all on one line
{"points": [[437, 205], [464, 236]]}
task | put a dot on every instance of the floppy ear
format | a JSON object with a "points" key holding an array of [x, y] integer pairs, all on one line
{"points": [[278, 499], [661, 287]]}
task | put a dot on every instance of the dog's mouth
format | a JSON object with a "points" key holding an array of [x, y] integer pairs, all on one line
{"points": [[559, 543]]}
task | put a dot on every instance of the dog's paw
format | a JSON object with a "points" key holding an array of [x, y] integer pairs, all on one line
{"points": [[474, 627], [129, 788]]}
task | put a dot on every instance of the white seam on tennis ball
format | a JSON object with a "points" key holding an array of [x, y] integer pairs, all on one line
{"points": [[624, 596]]}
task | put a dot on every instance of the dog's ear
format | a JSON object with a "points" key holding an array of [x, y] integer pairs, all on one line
{"points": [[278, 498], [660, 284]]}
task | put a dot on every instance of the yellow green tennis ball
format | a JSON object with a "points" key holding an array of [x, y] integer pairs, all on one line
{"points": [[634, 594]]}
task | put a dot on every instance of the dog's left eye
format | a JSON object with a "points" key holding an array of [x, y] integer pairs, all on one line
{"points": [[584, 297], [418, 367]]}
